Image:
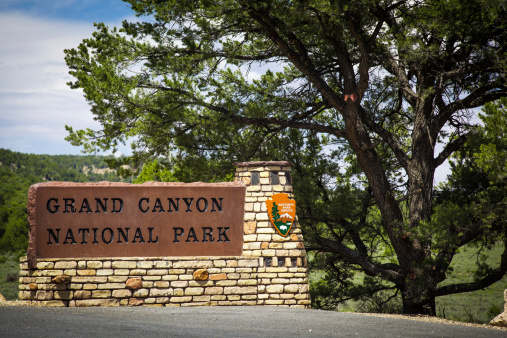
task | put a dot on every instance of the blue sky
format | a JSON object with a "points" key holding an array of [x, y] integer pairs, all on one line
{"points": [[71, 10], [35, 102]]}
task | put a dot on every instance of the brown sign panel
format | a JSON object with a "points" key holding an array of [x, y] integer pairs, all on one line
{"points": [[125, 220]]}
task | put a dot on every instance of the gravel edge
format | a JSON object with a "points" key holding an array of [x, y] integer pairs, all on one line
{"points": [[424, 318]]}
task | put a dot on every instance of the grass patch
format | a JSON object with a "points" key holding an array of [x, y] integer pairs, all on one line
{"points": [[473, 307], [9, 275]]}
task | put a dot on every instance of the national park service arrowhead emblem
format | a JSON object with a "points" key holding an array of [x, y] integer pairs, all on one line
{"points": [[282, 212]]}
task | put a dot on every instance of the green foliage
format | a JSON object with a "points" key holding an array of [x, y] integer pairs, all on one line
{"points": [[490, 141], [156, 172], [494, 311], [481, 305], [475, 197], [9, 275], [19, 171], [475, 200]]}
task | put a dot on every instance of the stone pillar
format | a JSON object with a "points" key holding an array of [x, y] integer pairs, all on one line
{"points": [[282, 271]]}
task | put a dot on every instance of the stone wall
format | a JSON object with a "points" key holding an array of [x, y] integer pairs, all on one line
{"points": [[271, 271]]}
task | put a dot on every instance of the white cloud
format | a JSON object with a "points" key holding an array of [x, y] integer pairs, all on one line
{"points": [[33, 41], [35, 102]]}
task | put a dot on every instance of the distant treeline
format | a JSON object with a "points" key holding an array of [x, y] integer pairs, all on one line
{"points": [[19, 171]]}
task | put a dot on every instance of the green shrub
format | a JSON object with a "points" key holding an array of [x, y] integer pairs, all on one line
{"points": [[494, 311], [12, 277]]}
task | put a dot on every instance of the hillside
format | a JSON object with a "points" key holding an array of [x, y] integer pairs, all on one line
{"points": [[19, 171]]}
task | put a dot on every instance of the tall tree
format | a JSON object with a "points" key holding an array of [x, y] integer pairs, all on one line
{"points": [[386, 81], [472, 205]]}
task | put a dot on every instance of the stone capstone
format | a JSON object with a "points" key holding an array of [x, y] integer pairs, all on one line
{"points": [[263, 163], [134, 283], [61, 280], [201, 274]]}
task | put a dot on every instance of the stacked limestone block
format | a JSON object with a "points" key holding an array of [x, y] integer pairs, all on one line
{"points": [[271, 271], [174, 281], [282, 272]]}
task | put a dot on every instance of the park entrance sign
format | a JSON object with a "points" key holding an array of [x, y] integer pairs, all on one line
{"points": [[167, 244], [127, 220]]}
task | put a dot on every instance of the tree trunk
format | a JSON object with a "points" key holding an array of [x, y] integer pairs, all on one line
{"points": [[371, 164], [418, 299], [421, 169], [420, 173]]}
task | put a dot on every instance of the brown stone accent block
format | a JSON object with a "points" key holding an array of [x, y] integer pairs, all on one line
{"points": [[201, 274], [61, 280], [218, 276], [134, 283]]}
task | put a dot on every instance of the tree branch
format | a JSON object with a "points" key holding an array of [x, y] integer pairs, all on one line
{"points": [[486, 281], [354, 257], [299, 58], [266, 121], [364, 64], [450, 148], [477, 98], [212, 55], [388, 138]]}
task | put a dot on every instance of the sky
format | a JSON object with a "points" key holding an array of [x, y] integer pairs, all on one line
{"points": [[35, 102]]}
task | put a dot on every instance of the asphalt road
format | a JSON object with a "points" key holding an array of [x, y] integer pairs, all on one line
{"points": [[216, 322]]}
